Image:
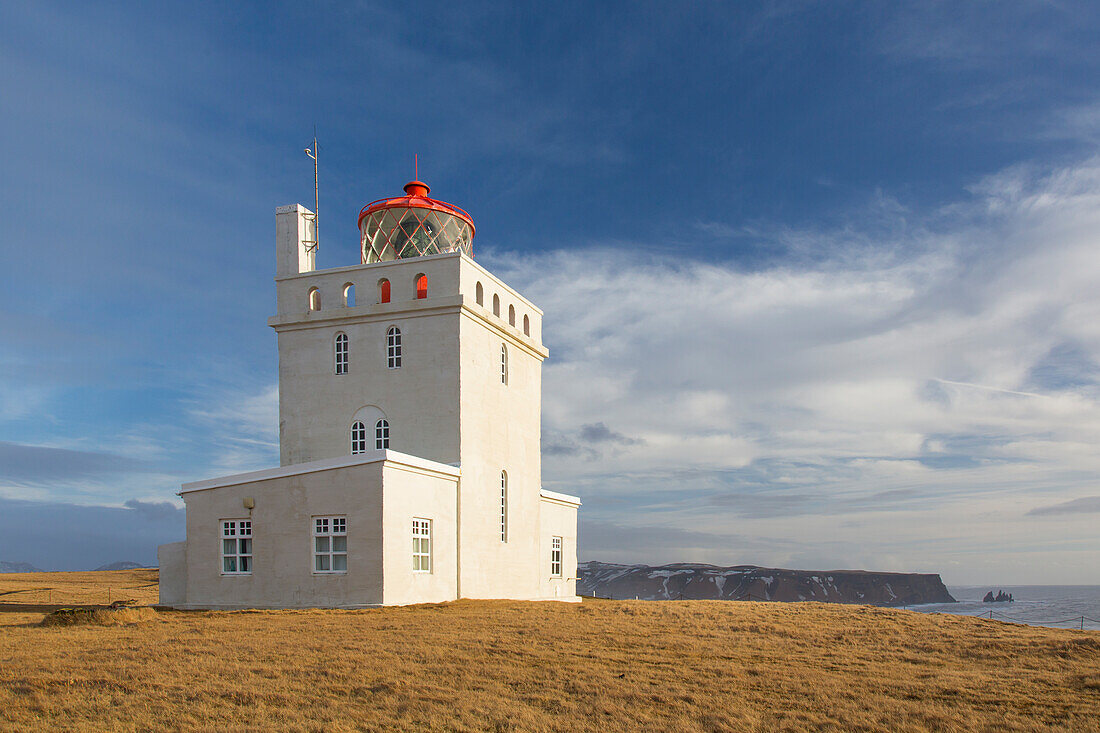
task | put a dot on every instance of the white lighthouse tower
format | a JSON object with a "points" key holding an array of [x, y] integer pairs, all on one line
{"points": [[409, 427]]}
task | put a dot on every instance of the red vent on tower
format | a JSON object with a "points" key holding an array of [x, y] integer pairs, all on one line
{"points": [[413, 225]]}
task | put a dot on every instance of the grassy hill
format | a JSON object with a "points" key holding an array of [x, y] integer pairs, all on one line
{"points": [[500, 665]]}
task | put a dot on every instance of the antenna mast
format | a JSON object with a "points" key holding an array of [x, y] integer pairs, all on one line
{"points": [[316, 194]]}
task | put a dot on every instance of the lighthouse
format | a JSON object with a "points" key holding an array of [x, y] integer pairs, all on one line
{"points": [[409, 429]]}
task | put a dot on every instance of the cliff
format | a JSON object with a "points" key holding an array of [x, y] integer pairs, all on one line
{"points": [[696, 581]]}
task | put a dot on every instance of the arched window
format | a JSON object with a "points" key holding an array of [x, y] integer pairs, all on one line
{"points": [[503, 506], [503, 364], [341, 353], [526, 325], [480, 294], [349, 295], [383, 291], [511, 315], [421, 287], [314, 299], [393, 348], [358, 438], [382, 434], [496, 305]]}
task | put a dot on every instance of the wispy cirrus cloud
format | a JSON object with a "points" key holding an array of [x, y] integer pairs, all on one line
{"points": [[1084, 505], [945, 379]]}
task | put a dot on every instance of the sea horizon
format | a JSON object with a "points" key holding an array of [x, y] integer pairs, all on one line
{"points": [[1052, 606]]}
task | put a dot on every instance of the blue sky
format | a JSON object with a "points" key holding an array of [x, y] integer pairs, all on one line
{"points": [[819, 279]]}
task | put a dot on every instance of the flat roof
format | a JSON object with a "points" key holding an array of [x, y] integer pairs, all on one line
{"points": [[564, 498], [325, 464]]}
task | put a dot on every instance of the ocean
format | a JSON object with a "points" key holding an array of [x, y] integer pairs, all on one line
{"points": [[1056, 606]]}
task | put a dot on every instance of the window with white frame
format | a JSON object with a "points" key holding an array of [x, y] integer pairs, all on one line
{"points": [[236, 546], [393, 348], [422, 545], [503, 506], [358, 437], [330, 544], [503, 364], [382, 434], [341, 353], [555, 557]]}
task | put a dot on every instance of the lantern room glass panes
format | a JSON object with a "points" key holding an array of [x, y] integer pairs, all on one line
{"points": [[389, 234]]}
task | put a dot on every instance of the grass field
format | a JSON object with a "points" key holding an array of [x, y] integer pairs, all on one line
{"points": [[500, 665], [93, 588]]}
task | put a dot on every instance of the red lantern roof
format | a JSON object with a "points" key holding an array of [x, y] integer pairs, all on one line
{"points": [[416, 198]]}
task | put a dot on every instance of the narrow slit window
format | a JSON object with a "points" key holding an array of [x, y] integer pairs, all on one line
{"points": [[421, 287], [358, 438], [236, 546], [330, 544], [314, 299], [349, 295], [393, 348], [511, 315], [503, 364], [341, 353], [480, 294], [526, 326], [381, 434], [383, 291], [496, 305], [503, 506]]}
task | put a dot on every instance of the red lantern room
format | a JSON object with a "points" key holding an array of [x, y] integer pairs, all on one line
{"points": [[413, 225]]}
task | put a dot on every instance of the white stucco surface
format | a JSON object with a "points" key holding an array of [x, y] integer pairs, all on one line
{"points": [[447, 406]]}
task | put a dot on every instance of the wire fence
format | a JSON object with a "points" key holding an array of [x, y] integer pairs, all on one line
{"points": [[76, 596], [990, 614]]}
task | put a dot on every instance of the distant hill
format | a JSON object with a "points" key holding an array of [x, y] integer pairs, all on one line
{"points": [[18, 567], [122, 565], [696, 581]]}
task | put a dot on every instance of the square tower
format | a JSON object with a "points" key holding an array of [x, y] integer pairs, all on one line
{"points": [[420, 358]]}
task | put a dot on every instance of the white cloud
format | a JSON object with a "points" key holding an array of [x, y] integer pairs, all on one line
{"points": [[908, 364]]}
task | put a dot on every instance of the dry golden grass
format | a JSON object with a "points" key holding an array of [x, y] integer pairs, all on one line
{"points": [[98, 588], [599, 666], [98, 616]]}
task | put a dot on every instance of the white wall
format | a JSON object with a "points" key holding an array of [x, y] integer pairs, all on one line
{"points": [[284, 507], [558, 519], [172, 573], [412, 494]]}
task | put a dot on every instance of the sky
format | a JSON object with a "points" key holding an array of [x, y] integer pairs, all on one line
{"points": [[819, 279]]}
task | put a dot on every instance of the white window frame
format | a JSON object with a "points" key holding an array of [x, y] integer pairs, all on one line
{"points": [[393, 348], [234, 552], [503, 506], [382, 434], [358, 437], [422, 545], [341, 354], [555, 557], [504, 364], [328, 533]]}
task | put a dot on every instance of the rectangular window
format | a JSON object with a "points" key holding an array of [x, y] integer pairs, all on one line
{"points": [[341, 353], [393, 348], [555, 557], [422, 545], [236, 546], [330, 544]]}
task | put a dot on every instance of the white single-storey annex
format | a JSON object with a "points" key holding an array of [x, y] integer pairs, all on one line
{"points": [[409, 428]]}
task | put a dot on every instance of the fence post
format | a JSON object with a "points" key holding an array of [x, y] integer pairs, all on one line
{"points": [[991, 614], [1082, 623]]}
